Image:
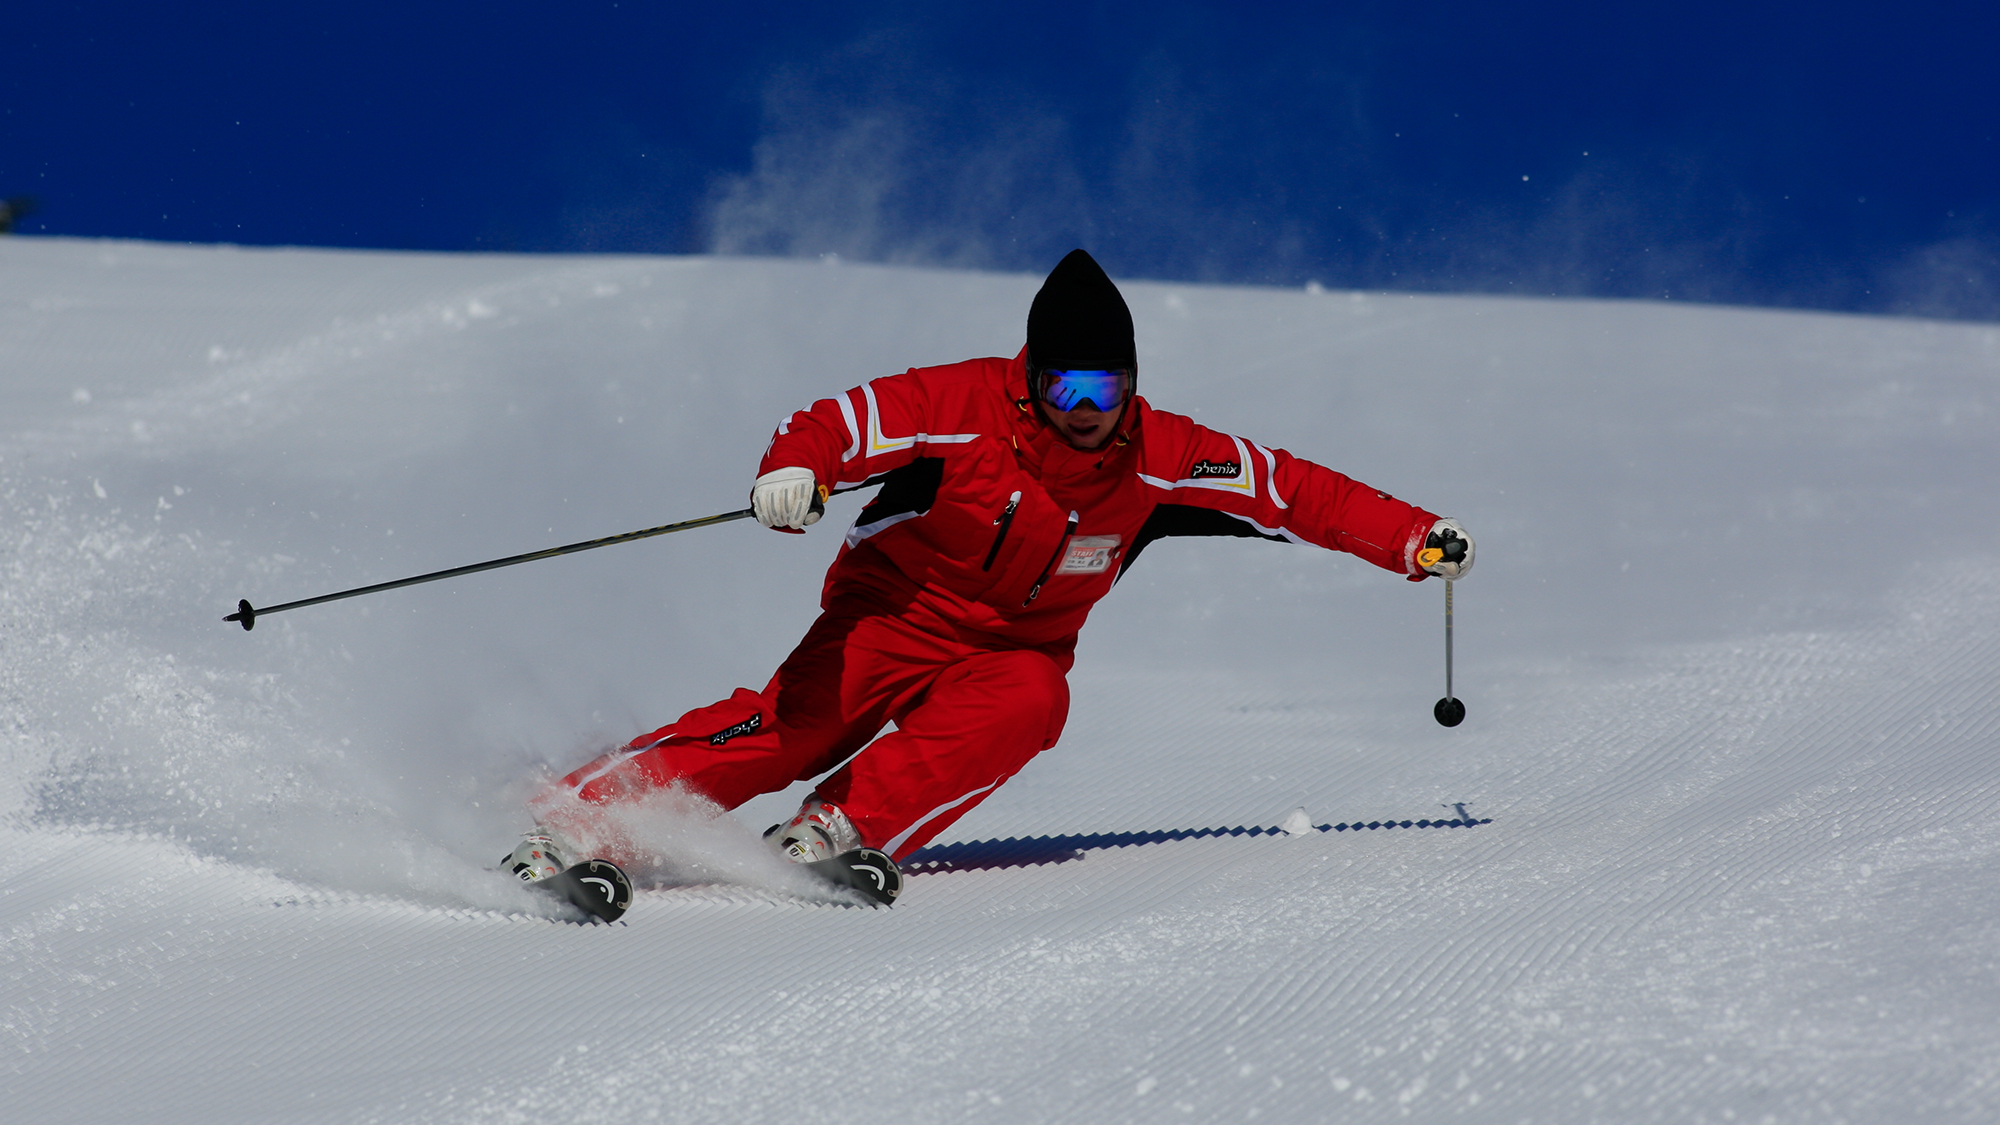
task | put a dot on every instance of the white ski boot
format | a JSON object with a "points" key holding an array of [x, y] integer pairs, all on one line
{"points": [[820, 831], [823, 840], [539, 855]]}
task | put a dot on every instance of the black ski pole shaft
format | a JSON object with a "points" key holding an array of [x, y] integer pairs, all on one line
{"points": [[248, 614], [1450, 711]]}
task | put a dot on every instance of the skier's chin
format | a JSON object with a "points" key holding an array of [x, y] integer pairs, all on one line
{"points": [[1089, 432]]}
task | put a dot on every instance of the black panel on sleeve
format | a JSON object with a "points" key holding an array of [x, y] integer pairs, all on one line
{"points": [[1170, 520], [912, 488]]}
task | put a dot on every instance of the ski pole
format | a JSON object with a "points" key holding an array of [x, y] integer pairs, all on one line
{"points": [[1450, 711], [248, 614]]}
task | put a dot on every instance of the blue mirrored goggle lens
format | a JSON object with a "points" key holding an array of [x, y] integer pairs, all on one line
{"points": [[1065, 390]]}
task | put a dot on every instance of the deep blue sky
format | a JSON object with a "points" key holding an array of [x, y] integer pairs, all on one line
{"points": [[1817, 154]]}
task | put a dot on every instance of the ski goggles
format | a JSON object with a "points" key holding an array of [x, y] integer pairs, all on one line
{"points": [[1066, 388]]}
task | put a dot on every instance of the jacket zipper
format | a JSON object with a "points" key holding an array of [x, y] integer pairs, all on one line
{"points": [[1005, 521], [1068, 530]]}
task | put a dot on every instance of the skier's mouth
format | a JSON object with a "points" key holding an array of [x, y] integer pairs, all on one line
{"points": [[1084, 427]]}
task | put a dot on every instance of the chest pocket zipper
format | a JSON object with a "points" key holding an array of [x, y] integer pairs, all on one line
{"points": [[1005, 521], [1068, 530]]}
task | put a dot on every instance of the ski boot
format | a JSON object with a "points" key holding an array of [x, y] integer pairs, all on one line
{"points": [[820, 831], [823, 840], [595, 886], [538, 856]]}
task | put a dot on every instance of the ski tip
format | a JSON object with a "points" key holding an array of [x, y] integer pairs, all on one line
{"points": [[866, 870], [596, 886]]}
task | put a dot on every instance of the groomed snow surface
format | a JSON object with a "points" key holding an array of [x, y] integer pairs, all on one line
{"points": [[1729, 654]]}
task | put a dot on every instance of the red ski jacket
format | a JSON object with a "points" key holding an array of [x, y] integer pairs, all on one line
{"points": [[995, 524]]}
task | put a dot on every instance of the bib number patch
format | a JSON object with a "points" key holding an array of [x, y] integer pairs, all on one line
{"points": [[1089, 554]]}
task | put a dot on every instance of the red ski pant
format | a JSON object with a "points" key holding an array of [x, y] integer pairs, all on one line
{"points": [[968, 713]]}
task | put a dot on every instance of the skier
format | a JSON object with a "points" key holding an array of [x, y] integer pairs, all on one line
{"points": [[1014, 494]]}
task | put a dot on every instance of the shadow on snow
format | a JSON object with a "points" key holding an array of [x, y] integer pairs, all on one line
{"points": [[983, 855]]}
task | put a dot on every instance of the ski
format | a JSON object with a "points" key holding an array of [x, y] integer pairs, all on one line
{"points": [[596, 886], [602, 891]]}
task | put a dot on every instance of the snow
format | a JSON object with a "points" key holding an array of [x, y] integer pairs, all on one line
{"points": [[1729, 659]]}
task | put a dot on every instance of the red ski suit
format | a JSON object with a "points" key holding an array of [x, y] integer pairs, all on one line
{"points": [[953, 607]]}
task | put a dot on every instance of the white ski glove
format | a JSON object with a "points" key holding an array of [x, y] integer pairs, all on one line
{"points": [[1447, 550], [783, 498]]}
